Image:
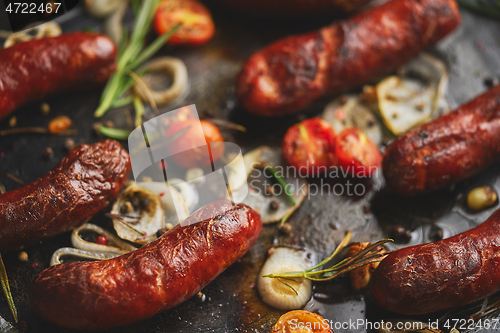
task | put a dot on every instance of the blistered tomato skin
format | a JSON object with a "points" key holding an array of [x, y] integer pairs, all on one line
{"points": [[195, 144], [76, 189], [356, 153], [138, 285], [308, 146], [446, 150], [197, 25], [32, 70], [291, 73]]}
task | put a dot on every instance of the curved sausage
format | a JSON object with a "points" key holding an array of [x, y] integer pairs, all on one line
{"points": [[290, 74], [81, 185], [32, 70], [446, 150], [452, 272], [154, 278]]}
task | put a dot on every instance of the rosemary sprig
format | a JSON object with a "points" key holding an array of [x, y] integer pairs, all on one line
{"points": [[6, 289], [132, 54], [114, 133], [282, 182], [490, 8], [367, 256]]}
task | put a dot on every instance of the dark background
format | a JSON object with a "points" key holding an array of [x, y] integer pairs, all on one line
{"points": [[472, 55]]}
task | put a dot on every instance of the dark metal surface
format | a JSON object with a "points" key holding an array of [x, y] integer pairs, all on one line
{"points": [[231, 303]]}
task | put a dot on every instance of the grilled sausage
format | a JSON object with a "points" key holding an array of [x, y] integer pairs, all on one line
{"points": [[294, 8], [81, 185], [291, 73], [452, 272], [446, 150], [32, 70], [154, 278]]}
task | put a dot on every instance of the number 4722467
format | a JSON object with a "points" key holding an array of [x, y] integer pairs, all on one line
{"points": [[32, 8]]}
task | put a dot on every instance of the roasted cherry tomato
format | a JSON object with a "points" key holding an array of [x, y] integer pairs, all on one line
{"points": [[300, 321], [197, 25], [356, 153], [195, 155], [308, 146]]}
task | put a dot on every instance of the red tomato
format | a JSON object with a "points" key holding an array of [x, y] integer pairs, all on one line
{"points": [[189, 142], [308, 146], [197, 25], [102, 240], [300, 321], [357, 153]]}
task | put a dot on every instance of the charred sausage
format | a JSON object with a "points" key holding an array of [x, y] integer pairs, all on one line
{"points": [[81, 185], [452, 272], [446, 150], [294, 8], [291, 73], [154, 278], [32, 70]]}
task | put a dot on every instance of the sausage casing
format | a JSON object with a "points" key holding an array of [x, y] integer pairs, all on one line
{"points": [[293, 72], [81, 185], [447, 149], [154, 278], [449, 273], [32, 70]]}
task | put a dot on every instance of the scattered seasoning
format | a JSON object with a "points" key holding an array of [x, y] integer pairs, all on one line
{"points": [[270, 190], [59, 124], [161, 232], [12, 121], [436, 233], [34, 264], [23, 326], [14, 178], [69, 144], [48, 153], [97, 127], [22, 256], [489, 82], [274, 204], [45, 108], [285, 229], [367, 209], [102, 240], [401, 235]]}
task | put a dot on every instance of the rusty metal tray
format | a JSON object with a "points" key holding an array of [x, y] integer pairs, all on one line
{"points": [[472, 54]]}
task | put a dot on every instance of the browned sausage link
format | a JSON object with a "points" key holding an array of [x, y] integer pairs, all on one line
{"points": [[290, 74], [437, 276], [446, 150], [81, 185], [138, 285], [32, 70]]}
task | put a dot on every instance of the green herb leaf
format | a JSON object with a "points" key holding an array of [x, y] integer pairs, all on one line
{"points": [[369, 255], [114, 133], [6, 289], [283, 184], [132, 54], [489, 8], [139, 110]]}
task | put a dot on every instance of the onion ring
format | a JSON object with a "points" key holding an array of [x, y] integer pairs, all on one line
{"points": [[172, 66]]}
